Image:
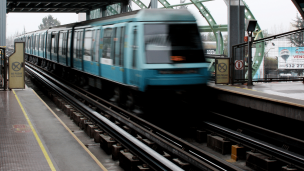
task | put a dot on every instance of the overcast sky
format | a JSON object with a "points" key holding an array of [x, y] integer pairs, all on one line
{"points": [[274, 15]]}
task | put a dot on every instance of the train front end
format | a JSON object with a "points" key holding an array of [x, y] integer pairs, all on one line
{"points": [[173, 54]]}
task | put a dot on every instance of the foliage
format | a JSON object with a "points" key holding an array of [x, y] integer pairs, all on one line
{"points": [[297, 39], [48, 21], [270, 64], [209, 37]]}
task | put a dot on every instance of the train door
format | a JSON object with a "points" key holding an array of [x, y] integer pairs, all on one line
{"points": [[90, 56], [119, 54], [106, 60], [134, 72], [77, 49], [69, 48], [48, 47], [62, 47], [54, 47], [30, 44], [37, 45], [33, 44], [26, 44], [41, 45]]}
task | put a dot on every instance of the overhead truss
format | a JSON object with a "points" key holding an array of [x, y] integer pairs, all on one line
{"points": [[62, 6]]}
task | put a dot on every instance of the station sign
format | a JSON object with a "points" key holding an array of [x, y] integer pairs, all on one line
{"points": [[222, 70], [16, 67], [238, 65]]}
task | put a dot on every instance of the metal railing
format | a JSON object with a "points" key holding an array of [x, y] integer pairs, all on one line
{"points": [[273, 60], [3, 69]]}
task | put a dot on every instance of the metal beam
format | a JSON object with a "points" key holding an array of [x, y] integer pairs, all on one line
{"points": [[67, 1], [300, 9], [222, 28], [260, 47], [206, 13], [190, 3]]}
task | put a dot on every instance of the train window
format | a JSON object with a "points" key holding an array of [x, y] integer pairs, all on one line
{"points": [[60, 51], [64, 49], [37, 42], [79, 46], [53, 43], [163, 42], [115, 43], [49, 42], [88, 45], [33, 42], [78, 37], [122, 42], [106, 50], [134, 56], [96, 45], [75, 44], [41, 42], [28, 42], [69, 43]]}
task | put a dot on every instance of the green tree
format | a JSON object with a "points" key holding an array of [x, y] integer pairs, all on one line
{"points": [[297, 39], [210, 36], [48, 21]]}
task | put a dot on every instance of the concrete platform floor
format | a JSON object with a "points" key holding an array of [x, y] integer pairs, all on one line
{"points": [[293, 90], [20, 149]]}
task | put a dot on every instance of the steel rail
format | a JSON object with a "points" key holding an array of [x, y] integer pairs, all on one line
{"points": [[289, 140], [262, 147], [167, 141], [144, 152]]}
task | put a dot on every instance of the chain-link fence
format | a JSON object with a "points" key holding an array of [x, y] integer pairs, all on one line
{"points": [[274, 58]]}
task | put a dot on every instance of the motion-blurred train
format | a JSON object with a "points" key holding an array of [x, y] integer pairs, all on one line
{"points": [[125, 54]]}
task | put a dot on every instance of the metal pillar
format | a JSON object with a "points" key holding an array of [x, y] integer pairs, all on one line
{"points": [[2, 22], [249, 83], [103, 11], [218, 48], [154, 3], [88, 13], [124, 6], [236, 31]]}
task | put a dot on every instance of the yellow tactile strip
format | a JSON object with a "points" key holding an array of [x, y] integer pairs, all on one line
{"points": [[82, 145], [36, 135], [19, 149]]}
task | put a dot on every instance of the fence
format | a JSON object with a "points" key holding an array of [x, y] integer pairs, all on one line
{"points": [[275, 58]]}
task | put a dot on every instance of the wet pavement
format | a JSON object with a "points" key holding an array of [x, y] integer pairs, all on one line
{"points": [[293, 90]]}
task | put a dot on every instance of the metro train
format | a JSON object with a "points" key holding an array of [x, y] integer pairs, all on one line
{"points": [[124, 55]]}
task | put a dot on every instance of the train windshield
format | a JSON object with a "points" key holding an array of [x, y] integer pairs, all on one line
{"points": [[173, 43]]}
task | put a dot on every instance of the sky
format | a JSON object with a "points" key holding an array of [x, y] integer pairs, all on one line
{"points": [[273, 15]]}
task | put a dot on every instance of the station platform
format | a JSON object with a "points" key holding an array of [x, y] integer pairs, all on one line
{"points": [[33, 137], [284, 99]]}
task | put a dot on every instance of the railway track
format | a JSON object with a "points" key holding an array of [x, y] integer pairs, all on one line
{"points": [[166, 141], [105, 114], [260, 140]]}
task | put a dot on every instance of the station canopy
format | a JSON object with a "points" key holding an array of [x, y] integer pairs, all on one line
{"points": [[58, 6]]}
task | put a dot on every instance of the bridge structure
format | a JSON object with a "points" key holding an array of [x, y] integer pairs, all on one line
{"points": [[238, 12]]}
